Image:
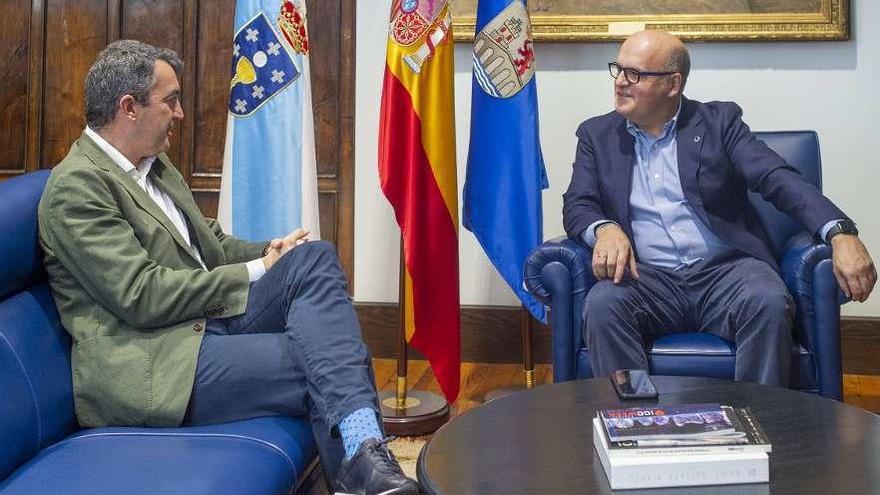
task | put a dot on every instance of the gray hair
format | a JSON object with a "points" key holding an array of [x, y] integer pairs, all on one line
{"points": [[124, 67], [679, 61]]}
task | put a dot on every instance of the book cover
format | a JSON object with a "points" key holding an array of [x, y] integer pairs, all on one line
{"points": [[682, 422], [655, 471], [743, 420]]}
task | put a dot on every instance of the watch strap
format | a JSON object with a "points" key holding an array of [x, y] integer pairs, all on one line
{"points": [[841, 227]]}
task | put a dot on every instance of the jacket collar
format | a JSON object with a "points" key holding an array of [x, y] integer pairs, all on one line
{"points": [[103, 161], [622, 148], [691, 134], [688, 115]]}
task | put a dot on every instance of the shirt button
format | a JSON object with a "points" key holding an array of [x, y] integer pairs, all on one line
{"points": [[656, 176], [197, 327]]}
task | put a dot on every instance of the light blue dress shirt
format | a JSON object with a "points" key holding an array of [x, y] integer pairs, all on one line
{"points": [[667, 232]]}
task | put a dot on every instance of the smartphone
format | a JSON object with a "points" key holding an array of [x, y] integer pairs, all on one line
{"points": [[633, 384]]}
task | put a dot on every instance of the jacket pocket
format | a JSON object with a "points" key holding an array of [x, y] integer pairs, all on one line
{"points": [[112, 381]]}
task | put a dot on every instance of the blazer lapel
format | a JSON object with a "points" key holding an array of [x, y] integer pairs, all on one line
{"points": [[623, 156], [187, 208], [689, 143], [143, 200]]}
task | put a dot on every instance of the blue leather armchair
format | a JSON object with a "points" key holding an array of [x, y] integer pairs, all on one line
{"points": [[559, 274], [43, 450]]}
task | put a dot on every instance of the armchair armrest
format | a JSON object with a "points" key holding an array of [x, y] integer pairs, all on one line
{"points": [[575, 257], [558, 273], [807, 271]]}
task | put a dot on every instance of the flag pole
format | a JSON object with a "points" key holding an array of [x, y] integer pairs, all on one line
{"points": [[525, 326], [528, 361], [417, 412], [401, 334]]}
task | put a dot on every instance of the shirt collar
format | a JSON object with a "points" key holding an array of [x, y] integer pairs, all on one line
{"points": [[143, 168], [668, 127]]}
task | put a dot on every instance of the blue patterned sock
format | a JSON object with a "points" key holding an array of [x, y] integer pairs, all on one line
{"points": [[357, 427]]}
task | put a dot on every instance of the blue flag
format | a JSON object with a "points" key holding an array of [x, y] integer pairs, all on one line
{"points": [[269, 184], [505, 169]]}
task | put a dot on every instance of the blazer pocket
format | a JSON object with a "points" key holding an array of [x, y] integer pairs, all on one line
{"points": [[112, 375]]}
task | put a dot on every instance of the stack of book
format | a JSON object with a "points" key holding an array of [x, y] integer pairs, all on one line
{"points": [[687, 445]]}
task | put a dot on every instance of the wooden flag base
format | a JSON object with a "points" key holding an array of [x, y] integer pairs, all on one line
{"points": [[422, 413]]}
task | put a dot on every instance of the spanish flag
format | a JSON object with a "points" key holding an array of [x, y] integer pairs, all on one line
{"points": [[418, 176]]}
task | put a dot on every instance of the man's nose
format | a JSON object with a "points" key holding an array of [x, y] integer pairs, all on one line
{"points": [[178, 111]]}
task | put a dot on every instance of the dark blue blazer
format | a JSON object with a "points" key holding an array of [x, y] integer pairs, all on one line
{"points": [[719, 160]]}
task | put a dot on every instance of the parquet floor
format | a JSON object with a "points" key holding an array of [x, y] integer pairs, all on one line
{"points": [[862, 391], [479, 378]]}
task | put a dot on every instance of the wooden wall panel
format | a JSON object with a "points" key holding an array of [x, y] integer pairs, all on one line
{"points": [[159, 23], [47, 47], [207, 200], [35, 88], [860, 345], [14, 85], [491, 334], [345, 173], [214, 53], [325, 81], [76, 30], [327, 209]]}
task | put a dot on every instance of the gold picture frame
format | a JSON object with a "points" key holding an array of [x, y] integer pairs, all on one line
{"points": [[691, 20]]}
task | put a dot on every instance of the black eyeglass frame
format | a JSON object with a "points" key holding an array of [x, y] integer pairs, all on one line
{"points": [[627, 71]]}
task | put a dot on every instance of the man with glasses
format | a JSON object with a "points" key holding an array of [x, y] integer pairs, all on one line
{"points": [[658, 192]]}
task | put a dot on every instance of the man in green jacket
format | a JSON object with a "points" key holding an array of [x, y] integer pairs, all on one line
{"points": [[174, 322]]}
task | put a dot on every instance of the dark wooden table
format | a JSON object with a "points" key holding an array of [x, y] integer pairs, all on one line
{"points": [[540, 441]]}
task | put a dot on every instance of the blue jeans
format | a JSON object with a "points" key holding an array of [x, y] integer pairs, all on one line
{"points": [[296, 351]]}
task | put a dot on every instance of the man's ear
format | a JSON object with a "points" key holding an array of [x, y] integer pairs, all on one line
{"points": [[127, 105], [676, 81]]}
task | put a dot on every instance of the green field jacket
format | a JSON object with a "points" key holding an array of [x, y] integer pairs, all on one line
{"points": [[128, 288]]}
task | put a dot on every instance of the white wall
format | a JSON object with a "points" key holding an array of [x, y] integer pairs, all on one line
{"points": [[831, 87]]}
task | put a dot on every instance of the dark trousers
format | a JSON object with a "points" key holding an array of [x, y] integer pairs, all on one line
{"points": [[740, 299], [296, 351]]}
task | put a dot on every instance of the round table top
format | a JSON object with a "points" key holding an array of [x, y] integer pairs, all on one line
{"points": [[540, 441]]}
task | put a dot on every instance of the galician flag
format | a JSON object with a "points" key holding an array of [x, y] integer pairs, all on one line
{"points": [[269, 185], [418, 176], [505, 171]]}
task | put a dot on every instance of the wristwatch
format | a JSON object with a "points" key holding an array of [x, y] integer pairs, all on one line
{"points": [[841, 227]]}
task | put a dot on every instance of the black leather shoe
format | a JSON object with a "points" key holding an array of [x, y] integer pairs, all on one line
{"points": [[374, 471]]}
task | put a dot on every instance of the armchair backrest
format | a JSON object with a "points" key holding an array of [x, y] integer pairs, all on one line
{"points": [[36, 403], [801, 150]]}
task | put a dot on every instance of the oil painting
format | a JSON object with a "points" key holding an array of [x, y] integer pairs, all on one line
{"points": [[694, 20]]}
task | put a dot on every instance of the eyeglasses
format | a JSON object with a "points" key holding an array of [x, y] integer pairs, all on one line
{"points": [[633, 76]]}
